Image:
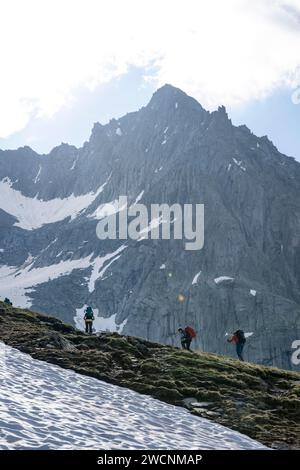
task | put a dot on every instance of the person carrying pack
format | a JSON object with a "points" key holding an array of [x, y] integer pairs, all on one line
{"points": [[239, 339], [89, 318], [7, 301], [186, 336]]}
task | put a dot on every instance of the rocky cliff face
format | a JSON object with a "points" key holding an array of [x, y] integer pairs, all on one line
{"points": [[172, 151]]}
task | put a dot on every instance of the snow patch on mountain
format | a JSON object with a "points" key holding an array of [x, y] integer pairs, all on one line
{"points": [[153, 224], [196, 277], [221, 279], [43, 406], [17, 282], [113, 207], [158, 169], [138, 198], [107, 209], [98, 263], [74, 163], [33, 213], [37, 178], [239, 164]]}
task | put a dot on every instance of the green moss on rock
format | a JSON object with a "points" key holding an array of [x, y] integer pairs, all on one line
{"points": [[261, 402]]}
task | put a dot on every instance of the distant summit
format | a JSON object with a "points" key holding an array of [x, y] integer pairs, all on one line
{"points": [[170, 151]]}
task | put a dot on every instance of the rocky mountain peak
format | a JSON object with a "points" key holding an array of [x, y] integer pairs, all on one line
{"points": [[171, 151], [168, 98]]}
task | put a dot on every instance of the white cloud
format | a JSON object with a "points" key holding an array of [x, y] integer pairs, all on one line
{"points": [[220, 52]]}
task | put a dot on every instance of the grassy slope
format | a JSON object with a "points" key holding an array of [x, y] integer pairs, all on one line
{"points": [[261, 402]]}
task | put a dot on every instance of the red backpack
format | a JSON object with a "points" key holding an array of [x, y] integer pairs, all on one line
{"points": [[190, 331]]}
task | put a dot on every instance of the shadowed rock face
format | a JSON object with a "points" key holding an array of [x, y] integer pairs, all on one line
{"points": [[174, 152]]}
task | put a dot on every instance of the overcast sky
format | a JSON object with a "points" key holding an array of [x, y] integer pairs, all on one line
{"points": [[66, 64]]}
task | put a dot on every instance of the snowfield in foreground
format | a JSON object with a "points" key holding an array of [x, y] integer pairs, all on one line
{"points": [[43, 406]]}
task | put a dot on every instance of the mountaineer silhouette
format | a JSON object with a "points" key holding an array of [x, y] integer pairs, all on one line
{"points": [[239, 339], [186, 336], [89, 318]]}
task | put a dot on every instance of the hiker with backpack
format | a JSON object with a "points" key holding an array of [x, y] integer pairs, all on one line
{"points": [[7, 301], [186, 336], [89, 318], [239, 339]]}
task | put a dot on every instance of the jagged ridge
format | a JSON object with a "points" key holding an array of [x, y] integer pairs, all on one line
{"points": [[171, 151]]}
